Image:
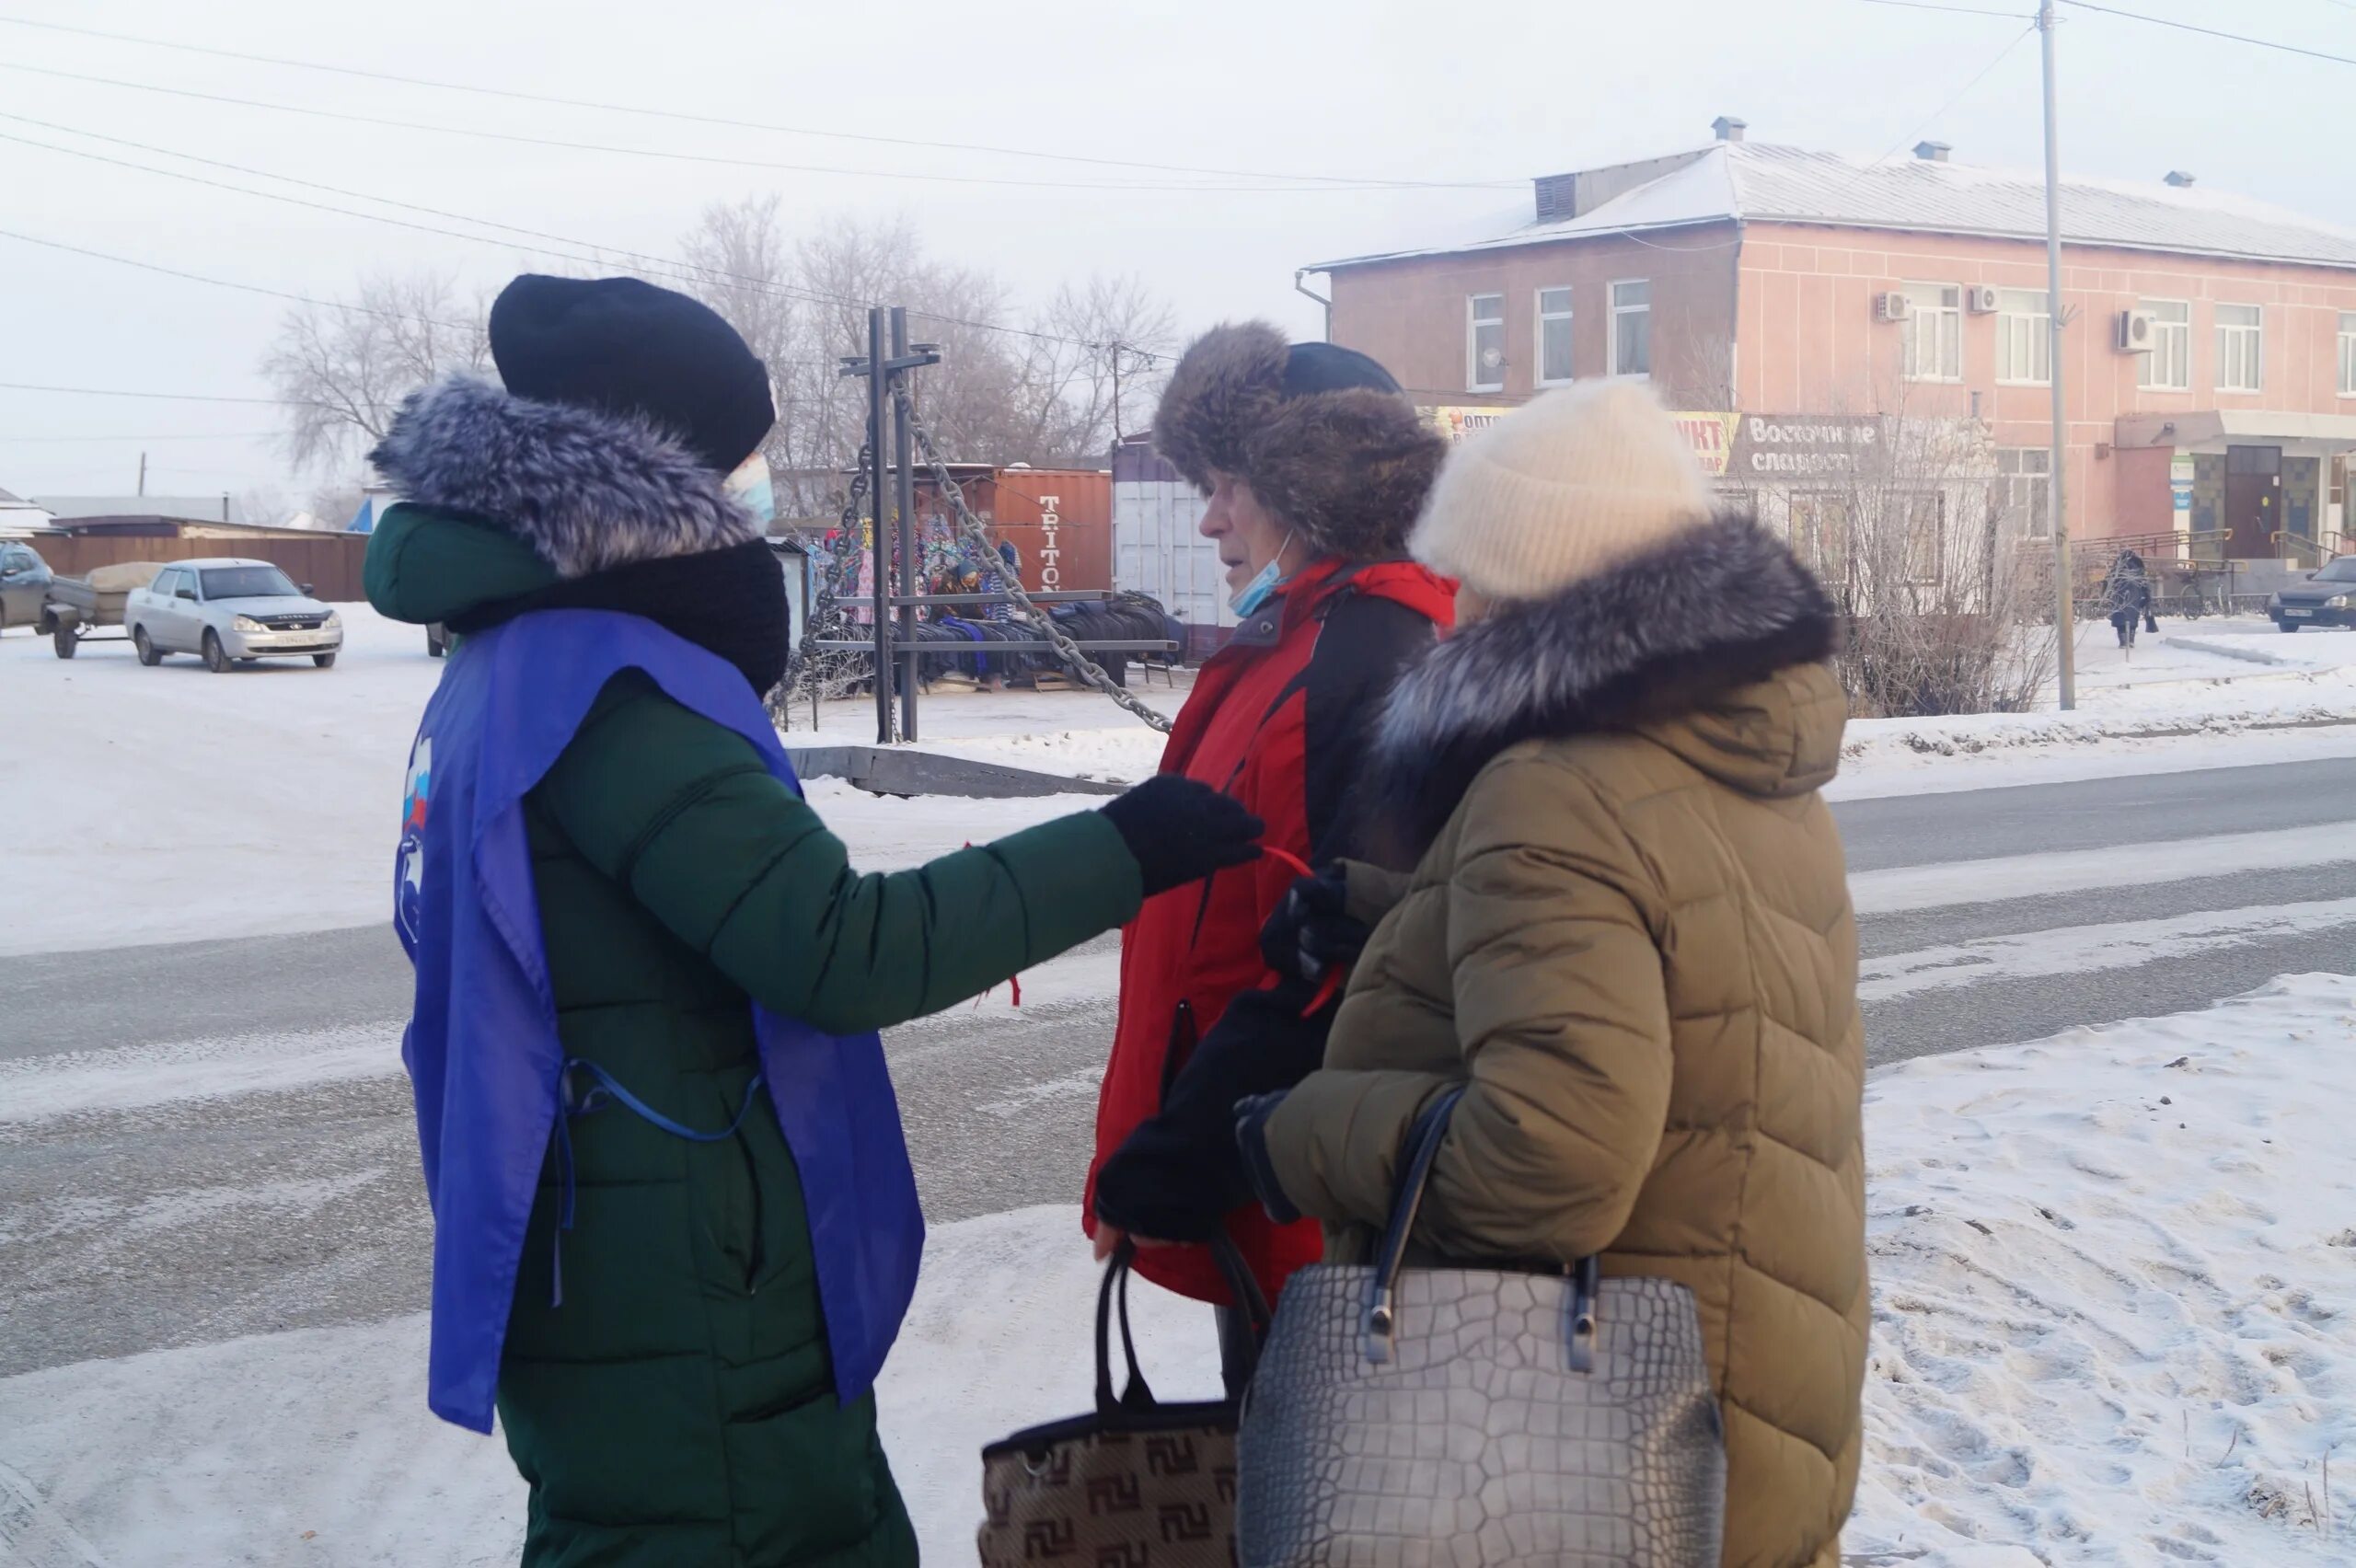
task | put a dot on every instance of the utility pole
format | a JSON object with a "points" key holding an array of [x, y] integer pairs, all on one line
{"points": [[885, 364], [1117, 391], [904, 503], [142, 473], [2065, 617]]}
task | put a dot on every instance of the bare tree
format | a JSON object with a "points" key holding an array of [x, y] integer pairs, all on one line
{"points": [[334, 502], [263, 504], [1906, 529], [344, 372]]}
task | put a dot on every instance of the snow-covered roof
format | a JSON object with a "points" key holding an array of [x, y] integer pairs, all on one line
{"points": [[1732, 181], [182, 508]]}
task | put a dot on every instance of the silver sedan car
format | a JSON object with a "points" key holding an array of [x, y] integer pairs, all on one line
{"points": [[230, 613]]}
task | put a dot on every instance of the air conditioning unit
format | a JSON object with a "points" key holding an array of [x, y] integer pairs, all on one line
{"points": [[1892, 307], [1980, 299], [2138, 331]]}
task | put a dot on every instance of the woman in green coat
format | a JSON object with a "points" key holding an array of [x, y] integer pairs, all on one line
{"points": [[666, 1380]]}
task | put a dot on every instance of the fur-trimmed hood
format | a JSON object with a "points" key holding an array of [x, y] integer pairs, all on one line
{"points": [[1676, 642], [587, 490], [1348, 468]]}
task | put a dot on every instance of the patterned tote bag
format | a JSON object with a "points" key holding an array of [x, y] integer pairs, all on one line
{"points": [[1134, 1483]]}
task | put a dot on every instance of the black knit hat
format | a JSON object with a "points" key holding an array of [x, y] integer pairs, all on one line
{"points": [[623, 346]]}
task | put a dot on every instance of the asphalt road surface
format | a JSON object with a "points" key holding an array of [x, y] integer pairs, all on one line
{"points": [[143, 1205]]}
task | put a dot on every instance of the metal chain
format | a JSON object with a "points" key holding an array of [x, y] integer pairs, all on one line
{"points": [[809, 667], [1066, 648]]}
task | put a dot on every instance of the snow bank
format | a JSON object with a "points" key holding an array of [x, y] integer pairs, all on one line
{"points": [[2115, 1280], [2114, 1273]]}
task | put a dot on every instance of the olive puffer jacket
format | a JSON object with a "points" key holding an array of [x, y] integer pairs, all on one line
{"points": [[1629, 935]]}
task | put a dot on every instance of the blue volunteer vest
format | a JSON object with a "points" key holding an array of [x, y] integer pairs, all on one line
{"points": [[482, 1047]]}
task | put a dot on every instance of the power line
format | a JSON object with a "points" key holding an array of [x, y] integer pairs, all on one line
{"points": [[786, 291], [764, 285], [723, 121], [2213, 32], [611, 149], [227, 283], [1927, 5], [162, 396], [1961, 93], [175, 435]]}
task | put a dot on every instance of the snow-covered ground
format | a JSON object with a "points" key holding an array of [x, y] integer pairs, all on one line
{"points": [[2115, 1274], [173, 804]]}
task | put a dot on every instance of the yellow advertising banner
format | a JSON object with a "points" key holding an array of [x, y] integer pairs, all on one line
{"points": [[1711, 434], [1713, 438], [1456, 423]]}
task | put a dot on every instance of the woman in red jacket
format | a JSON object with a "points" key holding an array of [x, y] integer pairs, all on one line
{"points": [[1315, 466]]}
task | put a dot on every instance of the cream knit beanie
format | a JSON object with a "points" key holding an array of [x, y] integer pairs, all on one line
{"points": [[1565, 488]]}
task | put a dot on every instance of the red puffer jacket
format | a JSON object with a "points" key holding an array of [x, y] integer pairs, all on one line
{"points": [[1280, 718]]}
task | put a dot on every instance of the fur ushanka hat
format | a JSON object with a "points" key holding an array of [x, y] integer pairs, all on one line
{"points": [[1323, 435]]}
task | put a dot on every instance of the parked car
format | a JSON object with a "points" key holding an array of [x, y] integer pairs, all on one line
{"points": [[24, 583], [231, 612], [2321, 598]]}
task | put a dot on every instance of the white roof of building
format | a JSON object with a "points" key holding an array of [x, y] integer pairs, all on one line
{"points": [[1754, 181], [182, 508]]}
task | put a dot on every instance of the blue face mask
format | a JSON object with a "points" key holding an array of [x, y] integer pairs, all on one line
{"points": [[750, 488], [1264, 581]]}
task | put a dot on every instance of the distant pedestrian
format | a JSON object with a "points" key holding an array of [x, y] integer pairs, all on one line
{"points": [[2127, 590], [676, 1227], [1621, 926]]}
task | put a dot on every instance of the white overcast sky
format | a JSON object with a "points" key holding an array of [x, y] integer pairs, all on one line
{"points": [[1500, 90]]}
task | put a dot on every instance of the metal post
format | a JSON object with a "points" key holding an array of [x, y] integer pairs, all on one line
{"points": [[882, 611], [2064, 612], [904, 456]]}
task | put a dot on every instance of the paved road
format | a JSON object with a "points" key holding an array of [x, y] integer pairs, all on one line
{"points": [[133, 1219]]}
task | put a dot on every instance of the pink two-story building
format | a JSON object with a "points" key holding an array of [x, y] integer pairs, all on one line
{"points": [[1797, 307]]}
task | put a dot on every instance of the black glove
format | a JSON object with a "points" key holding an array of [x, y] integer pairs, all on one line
{"points": [[1180, 831], [1252, 1143], [1312, 933], [1179, 1174]]}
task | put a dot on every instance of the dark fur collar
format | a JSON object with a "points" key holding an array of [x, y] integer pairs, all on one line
{"points": [[587, 490], [1656, 637]]}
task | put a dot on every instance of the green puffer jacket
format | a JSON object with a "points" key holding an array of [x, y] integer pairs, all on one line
{"points": [[677, 1409]]}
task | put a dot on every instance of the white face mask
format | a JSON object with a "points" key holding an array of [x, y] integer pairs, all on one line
{"points": [[750, 488]]}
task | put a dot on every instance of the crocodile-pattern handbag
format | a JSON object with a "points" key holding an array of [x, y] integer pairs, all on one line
{"points": [[1136, 1484], [1474, 1418]]}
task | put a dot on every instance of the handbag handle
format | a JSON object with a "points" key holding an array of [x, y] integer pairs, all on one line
{"points": [[1112, 1300], [1422, 1149]]}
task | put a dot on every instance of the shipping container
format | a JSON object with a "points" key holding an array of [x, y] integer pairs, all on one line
{"points": [[1059, 520], [1158, 548]]}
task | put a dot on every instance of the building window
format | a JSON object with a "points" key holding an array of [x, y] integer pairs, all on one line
{"points": [[2348, 353], [1485, 343], [2169, 367], [1554, 336], [1934, 331], [2025, 490], [1631, 327], [1926, 538], [2241, 347], [2024, 336], [1821, 534]]}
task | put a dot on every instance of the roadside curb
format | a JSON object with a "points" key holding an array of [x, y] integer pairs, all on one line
{"points": [[2247, 655]]}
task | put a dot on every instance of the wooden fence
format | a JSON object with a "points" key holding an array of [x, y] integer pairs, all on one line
{"points": [[331, 563]]}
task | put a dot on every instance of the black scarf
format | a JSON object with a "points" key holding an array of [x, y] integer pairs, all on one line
{"points": [[729, 602]]}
